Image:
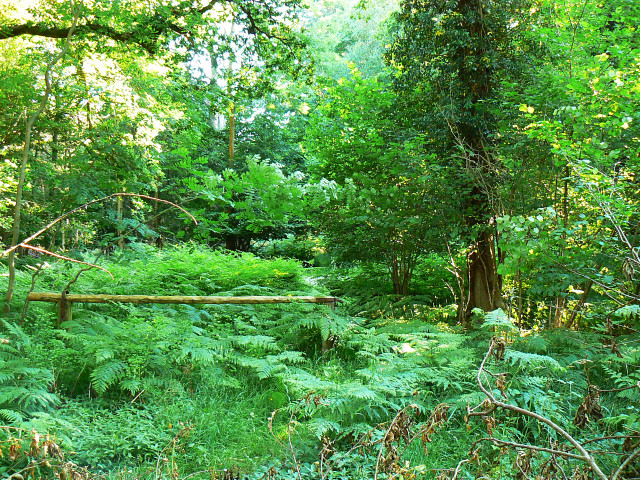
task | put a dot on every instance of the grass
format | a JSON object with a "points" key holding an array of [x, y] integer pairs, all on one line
{"points": [[217, 429]]}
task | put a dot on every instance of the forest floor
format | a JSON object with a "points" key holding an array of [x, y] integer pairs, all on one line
{"points": [[245, 391]]}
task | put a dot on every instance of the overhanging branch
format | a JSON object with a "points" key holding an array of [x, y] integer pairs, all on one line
{"points": [[37, 30]]}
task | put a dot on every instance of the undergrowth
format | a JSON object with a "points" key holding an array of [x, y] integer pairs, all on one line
{"points": [[235, 391]]}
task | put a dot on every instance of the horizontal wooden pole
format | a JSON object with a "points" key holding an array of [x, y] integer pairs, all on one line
{"points": [[192, 300]]}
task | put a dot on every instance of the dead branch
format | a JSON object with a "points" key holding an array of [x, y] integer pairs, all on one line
{"points": [[456, 472], [33, 286], [622, 389], [585, 456], [437, 418], [625, 464], [504, 443], [290, 446], [88, 204], [115, 240], [184, 432], [386, 435], [63, 257]]}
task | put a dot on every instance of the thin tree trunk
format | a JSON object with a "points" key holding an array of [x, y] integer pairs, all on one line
{"points": [[119, 230], [155, 223], [519, 280], [561, 300], [559, 311], [232, 133], [231, 242], [23, 164], [583, 299]]}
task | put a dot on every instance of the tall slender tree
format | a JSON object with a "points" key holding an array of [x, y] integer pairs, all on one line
{"points": [[449, 56]]}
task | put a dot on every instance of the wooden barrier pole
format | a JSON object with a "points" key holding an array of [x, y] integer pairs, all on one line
{"points": [[65, 309], [66, 301], [174, 299]]}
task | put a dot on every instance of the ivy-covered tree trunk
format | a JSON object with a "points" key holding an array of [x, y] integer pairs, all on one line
{"points": [[475, 74], [450, 54], [484, 282]]}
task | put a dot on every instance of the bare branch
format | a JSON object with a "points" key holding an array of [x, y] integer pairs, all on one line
{"points": [[622, 389], [610, 437], [290, 446], [142, 34], [457, 470], [595, 282], [255, 29], [68, 259], [33, 286], [146, 31], [585, 456], [503, 443], [84, 206], [625, 464]]}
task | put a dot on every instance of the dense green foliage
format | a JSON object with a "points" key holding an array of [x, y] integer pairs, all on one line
{"points": [[174, 390], [462, 175]]}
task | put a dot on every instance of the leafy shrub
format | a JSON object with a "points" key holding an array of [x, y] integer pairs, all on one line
{"points": [[300, 248]]}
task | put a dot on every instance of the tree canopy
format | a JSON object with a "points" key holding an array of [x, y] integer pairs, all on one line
{"points": [[350, 238]]}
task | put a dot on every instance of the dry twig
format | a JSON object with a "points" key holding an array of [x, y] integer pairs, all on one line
{"points": [[585, 456]]}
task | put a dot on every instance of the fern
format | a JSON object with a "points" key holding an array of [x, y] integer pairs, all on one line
{"points": [[532, 360], [198, 355], [287, 357], [323, 426], [132, 385], [17, 335], [536, 344], [24, 386], [263, 341], [104, 354], [302, 382], [107, 374], [10, 416], [628, 311], [361, 392], [498, 321]]}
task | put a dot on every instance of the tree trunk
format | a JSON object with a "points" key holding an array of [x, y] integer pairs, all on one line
{"points": [[558, 315], [23, 164], [484, 284], [401, 268], [519, 280], [561, 300], [18, 208], [120, 231], [586, 289], [231, 240], [483, 279]]}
